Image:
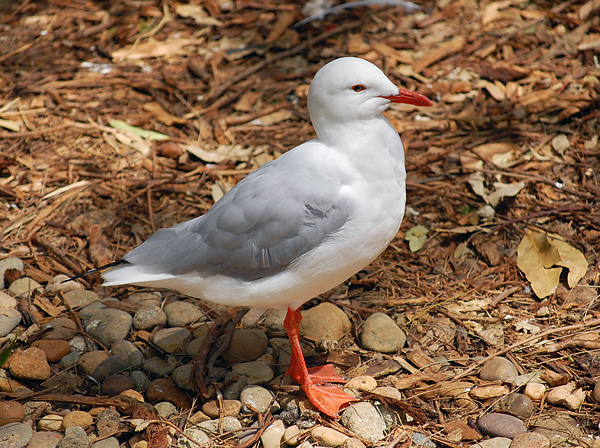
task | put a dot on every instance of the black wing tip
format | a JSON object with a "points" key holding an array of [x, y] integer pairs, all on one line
{"points": [[91, 271]]}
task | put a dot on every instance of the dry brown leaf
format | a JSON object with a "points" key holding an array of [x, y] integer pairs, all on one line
{"points": [[440, 53], [539, 253], [152, 49]]}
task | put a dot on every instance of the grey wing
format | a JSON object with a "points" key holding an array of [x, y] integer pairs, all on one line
{"points": [[256, 230]]}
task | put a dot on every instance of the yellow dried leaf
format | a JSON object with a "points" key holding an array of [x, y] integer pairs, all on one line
{"points": [[416, 237], [570, 258], [534, 256]]}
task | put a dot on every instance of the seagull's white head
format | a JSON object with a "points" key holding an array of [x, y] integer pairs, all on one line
{"points": [[350, 90]]}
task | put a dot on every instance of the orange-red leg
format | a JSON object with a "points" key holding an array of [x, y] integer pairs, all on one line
{"points": [[327, 399]]}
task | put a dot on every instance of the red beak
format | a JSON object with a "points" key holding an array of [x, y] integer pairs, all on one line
{"points": [[408, 97]]}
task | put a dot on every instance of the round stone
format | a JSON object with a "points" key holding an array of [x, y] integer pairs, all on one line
{"points": [[363, 383], [536, 391], [15, 435], [530, 440], [180, 314], [272, 436], [7, 301], [60, 328], [114, 385], [182, 376], [9, 319], [29, 364], [498, 369], [56, 285], [518, 404], [146, 298], [75, 437], [164, 389], [108, 422], [50, 422], [172, 340], [110, 366], [148, 317], [325, 323], [165, 409], [78, 298], [381, 334], [45, 439], [111, 442], [256, 372], [230, 407], [129, 351], [24, 287], [160, 367], [327, 436], [365, 420], [55, 349], [109, 326], [90, 360], [11, 412], [596, 392], [77, 418], [246, 345], [258, 399], [500, 425]]}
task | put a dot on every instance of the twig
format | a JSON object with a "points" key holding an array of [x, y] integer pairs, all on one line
{"points": [[573, 208]]}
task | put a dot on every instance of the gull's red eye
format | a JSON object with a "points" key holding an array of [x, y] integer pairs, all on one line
{"points": [[358, 87]]}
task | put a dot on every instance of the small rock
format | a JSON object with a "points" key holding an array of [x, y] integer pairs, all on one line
{"points": [[108, 422], [325, 323], [29, 364], [198, 417], [291, 435], [11, 412], [327, 436], [569, 395], [352, 442], [114, 385], [148, 317], [60, 328], [89, 310], [78, 298], [164, 389], [110, 366], [258, 399], [56, 285], [15, 435], [197, 435], [423, 441], [109, 326], [141, 379], [498, 369], [388, 391], [256, 372], [496, 442], [489, 391], [90, 360], [363, 383], [24, 287], [69, 360], [172, 340], [128, 351], [274, 320], [9, 319], [500, 425], [272, 436], [75, 437], [165, 409], [146, 298], [182, 377], [55, 349], [77, 418], [536, 391], [9, 263], [180, 314], [111, 442], [518, 404], [230, 424], [236, 383], [364, 419], [44, 439], [7, 302], [381, 334], [159, 367], [50, 422], [246, 345], [230, 407], [530, 440]]}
